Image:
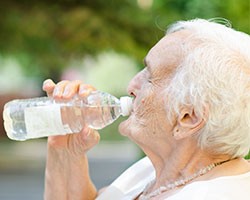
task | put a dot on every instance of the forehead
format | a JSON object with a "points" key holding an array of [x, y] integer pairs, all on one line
{"points": [[167, 54]]}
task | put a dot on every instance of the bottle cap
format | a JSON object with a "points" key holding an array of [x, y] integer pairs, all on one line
{"points": [[126, 105]]}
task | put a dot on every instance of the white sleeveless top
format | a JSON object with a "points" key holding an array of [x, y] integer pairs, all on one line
{"points": [[132, 182]]}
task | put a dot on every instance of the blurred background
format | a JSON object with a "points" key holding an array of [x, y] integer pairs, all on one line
{"points": [[100, 42]]}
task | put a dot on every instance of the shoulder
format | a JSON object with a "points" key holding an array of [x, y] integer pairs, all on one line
{"points": [[131, 182]]}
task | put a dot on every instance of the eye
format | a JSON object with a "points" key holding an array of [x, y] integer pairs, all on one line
{"points": [[148, 76], [149, 80]]}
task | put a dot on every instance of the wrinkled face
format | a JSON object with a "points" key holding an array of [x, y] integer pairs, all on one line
{"points": [[148, 119]]}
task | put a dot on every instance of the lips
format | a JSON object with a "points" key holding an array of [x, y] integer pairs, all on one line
{"points": [[133, 106]]}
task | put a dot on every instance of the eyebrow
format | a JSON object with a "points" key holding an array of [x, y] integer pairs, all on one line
{"points": [[146, 64]]}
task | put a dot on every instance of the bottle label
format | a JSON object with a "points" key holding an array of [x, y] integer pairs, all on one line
{"points": [[44, 121]]}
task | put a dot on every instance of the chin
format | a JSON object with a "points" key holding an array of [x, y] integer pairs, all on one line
{"points": [[129, 128], [124, 128]]}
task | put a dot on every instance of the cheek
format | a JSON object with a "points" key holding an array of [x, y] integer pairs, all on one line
{"points": [[140, 120], [144, 105], [149, 121], [150, 111]]}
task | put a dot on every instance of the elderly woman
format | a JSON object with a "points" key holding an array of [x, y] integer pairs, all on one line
{"points": [[191, 117]]}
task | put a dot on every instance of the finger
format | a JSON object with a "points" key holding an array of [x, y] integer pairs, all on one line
{"points": [[90, 137], [85, 90], [59, 89], [71, 89], [48, 87], [89, 134]]}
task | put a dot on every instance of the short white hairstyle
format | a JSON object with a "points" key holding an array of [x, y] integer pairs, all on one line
{"points": [[215, 73]]}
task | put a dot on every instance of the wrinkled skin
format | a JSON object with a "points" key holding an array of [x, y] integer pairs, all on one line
{"points": [[168, 144], [148, 119], [88, 137], [67, 175]]}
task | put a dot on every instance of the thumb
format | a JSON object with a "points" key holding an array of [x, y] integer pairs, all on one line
{"points": [[90, 136]]}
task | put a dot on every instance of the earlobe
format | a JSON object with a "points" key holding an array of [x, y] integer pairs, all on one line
{"points": [[176, 133]]}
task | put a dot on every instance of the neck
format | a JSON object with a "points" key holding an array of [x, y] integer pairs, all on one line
{"points": [[177, 164], [178, 183]]}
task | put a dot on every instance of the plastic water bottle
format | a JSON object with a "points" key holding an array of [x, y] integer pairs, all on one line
{"points": [[40, 117]]}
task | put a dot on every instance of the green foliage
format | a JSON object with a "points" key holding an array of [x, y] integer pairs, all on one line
{"points": [[44, 35], [247, 157]]}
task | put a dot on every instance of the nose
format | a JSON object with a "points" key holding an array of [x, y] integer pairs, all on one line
{"points": [[135, 84]]}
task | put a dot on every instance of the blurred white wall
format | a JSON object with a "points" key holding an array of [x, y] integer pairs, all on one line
{"points": [[108, 71], [13, 79]]}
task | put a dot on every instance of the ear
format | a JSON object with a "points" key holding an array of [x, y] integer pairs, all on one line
{"points": [[189, 123]]}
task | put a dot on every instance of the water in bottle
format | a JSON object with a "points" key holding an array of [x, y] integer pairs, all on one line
{"points": [[40, 117]]}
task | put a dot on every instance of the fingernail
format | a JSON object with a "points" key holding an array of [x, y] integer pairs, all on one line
{"points": [[82, 91], [56, 92], [86, 131], [85, 91], [66, 92], [46, 83]]}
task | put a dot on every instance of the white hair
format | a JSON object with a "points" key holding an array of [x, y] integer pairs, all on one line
{"points": [[215, 73]]}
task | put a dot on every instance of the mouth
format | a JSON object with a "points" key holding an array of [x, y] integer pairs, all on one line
{"points": [[131, 111], [132, 106]]}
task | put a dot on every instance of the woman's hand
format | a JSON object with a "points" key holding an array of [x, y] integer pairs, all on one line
{"points": [[87, 138], [67, 174]]}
